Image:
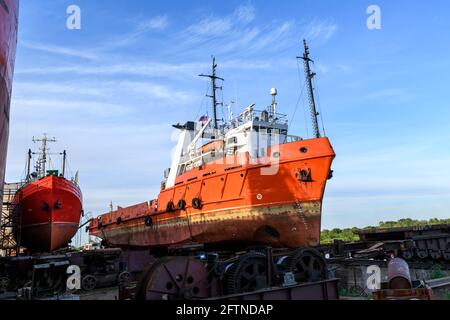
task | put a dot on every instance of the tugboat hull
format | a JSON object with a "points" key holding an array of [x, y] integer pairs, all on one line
{"points": [[239, 204]]}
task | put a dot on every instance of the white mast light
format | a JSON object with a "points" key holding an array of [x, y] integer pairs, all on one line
{"points": [[273, 93]]}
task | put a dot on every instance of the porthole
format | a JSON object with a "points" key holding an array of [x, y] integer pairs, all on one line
{"points": [[303, 150]]}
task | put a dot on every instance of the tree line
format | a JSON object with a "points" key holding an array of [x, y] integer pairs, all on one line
{"points": [[349, 234]]}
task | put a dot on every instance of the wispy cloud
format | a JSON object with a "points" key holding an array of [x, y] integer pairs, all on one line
{"points": [[275, 38], [78, 107], [217, 26], [52, 88], [156, 91], [150, 69], [95, 97], [156, 23], [211, 26], [320, 30], [236, 31], [323, 69], [245, 13], [344, 67], [69, 52], [155, 69], [390, 95]]}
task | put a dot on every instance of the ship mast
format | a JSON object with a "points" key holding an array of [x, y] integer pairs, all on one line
{"points": [[42, 161], [214, 79], [309, 77], [30, 156], [64, 154]]}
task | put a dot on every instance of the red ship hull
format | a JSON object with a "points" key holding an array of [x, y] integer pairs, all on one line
{"points": [[9, 10], [48, 212]]}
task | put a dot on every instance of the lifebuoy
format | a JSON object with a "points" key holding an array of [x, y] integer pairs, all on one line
{"points": [[170, 206], [181, 205], [196, 203]]}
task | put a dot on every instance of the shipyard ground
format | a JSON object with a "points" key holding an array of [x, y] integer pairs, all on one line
{"points": [[352, 281]]}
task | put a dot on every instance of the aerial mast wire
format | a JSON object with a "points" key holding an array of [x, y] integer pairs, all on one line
{"points": [[43, 154], [214, 79], [309, 77]]}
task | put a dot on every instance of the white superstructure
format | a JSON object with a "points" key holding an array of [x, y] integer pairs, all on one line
{"points": [[252, 131]]}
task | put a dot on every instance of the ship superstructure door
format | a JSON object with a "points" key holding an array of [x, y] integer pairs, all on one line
{"points": [[262, 142]]}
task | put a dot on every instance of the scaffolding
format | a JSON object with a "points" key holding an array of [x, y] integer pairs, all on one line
{"points": [[9, 222]]}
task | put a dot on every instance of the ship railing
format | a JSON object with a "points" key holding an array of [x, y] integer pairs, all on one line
{"points": [[211, 156], [258, 115], [200, 160]]}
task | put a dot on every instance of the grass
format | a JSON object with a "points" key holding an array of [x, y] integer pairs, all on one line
{"points": [[436, 272]]}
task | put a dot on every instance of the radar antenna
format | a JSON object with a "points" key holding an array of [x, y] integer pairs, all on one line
{"points": [[309, 77], [214, 79], [42, 161]]}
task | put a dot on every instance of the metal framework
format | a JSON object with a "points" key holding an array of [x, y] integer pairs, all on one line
{"points": [[9, 246], [214, 79], [309, 77]]}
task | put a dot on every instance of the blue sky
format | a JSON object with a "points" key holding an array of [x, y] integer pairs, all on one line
{"points": [[110, 92]]}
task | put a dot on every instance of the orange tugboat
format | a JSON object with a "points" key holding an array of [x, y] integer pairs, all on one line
{"points": [[48, 207], [243, 182], [9, 14]]}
